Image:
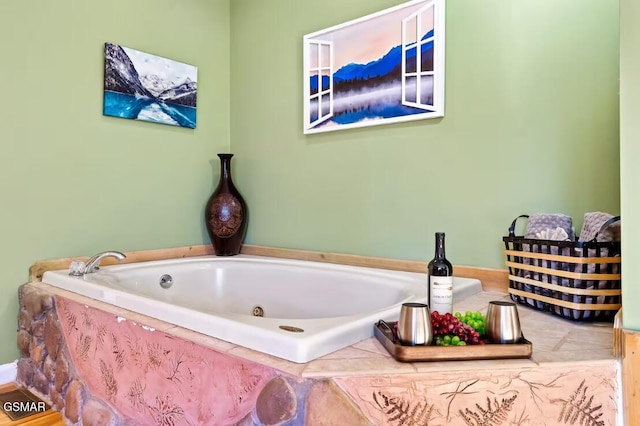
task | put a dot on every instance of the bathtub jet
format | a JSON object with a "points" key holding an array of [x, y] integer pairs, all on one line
{"points": [[306, 309]]}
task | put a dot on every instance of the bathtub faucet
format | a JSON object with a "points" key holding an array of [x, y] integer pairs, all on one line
{"points": [[93, 264]]}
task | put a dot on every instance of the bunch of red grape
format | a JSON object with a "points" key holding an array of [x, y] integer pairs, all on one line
{"points": [[450, 331]]}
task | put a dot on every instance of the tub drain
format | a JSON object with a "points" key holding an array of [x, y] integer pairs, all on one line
{"points": [[257, 311], [292, 329]]}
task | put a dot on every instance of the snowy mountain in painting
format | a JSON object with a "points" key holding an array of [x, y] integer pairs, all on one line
{"points": [[120, 74], [182, 94], [155, 84]]}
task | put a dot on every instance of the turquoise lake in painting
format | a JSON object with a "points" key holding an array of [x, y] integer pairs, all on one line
{"points": [[147, 109]]}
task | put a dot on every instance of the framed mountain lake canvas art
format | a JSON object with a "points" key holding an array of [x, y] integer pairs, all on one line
{"points": [[141, 86], [382, 68]]}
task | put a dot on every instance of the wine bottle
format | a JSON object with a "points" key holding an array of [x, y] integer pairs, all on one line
{"points": [[440, 279]]}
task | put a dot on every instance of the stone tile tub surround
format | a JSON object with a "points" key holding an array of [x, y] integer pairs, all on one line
{"points": [[73, 348], [99, 367]]}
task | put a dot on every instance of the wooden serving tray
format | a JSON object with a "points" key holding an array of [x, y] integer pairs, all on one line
{"points": [[404, 353]]}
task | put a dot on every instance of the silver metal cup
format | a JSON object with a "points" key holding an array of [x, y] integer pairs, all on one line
{"points": [[503, 323], [414, 325]]}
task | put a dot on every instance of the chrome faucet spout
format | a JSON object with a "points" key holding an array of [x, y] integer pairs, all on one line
{"points": [[93, 264]]}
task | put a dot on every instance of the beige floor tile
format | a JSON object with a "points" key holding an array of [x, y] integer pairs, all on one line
{"points": [[351, 352], [560, 358], [350, 367], [475, 365], [283, 365], [571, 344], [372, 345]]}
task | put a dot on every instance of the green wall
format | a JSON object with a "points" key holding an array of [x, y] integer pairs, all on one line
{"points": [[73, 182], [531, 125], [629, 153]]}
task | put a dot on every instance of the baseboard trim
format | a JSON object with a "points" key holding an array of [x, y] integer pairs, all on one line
{"points": [[8, 372], [631, 376]]}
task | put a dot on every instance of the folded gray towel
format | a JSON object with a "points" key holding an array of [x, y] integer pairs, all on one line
{"points": [[540, 222], [593, 222]]}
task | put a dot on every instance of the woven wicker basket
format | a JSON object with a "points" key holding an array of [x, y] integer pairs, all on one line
{"points": [[575, 280]]}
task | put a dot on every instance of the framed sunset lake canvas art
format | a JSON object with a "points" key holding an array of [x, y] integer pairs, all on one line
{"points": [[382, 68]]}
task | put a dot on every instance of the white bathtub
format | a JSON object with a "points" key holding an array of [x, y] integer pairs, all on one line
{"points": [[334, 305]]}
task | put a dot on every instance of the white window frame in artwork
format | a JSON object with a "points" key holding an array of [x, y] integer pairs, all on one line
{"points": [[323, 97], [326, 99]]}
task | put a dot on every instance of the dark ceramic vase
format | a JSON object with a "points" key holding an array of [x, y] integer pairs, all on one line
{"points": [[226, 213]]}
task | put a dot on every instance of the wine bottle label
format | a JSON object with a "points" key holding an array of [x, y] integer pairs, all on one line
{"points": [[441, 294]]}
